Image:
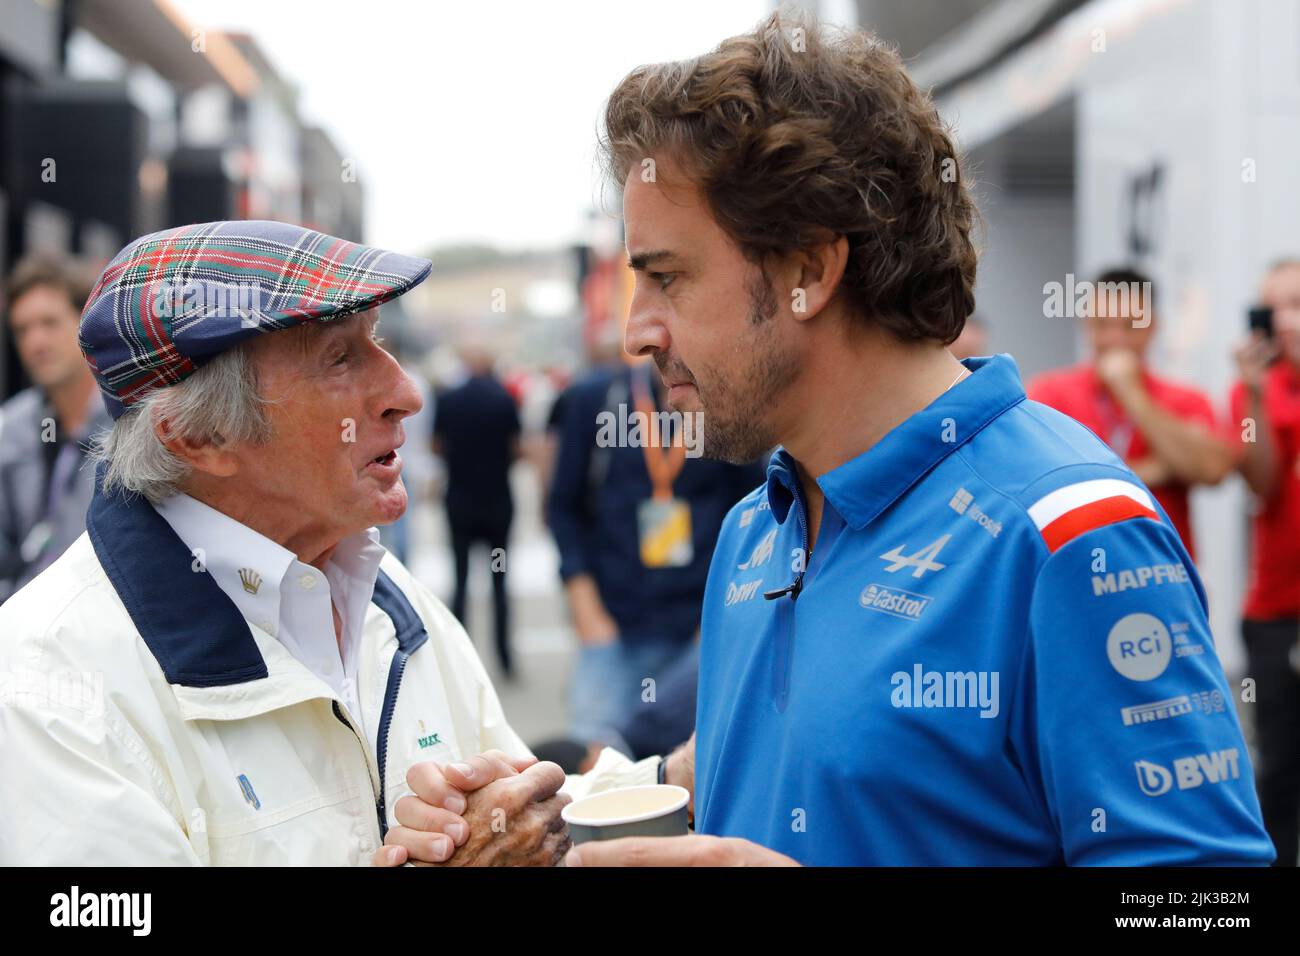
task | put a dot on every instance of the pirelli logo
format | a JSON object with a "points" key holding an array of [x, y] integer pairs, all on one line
{"points": [[1156, 710]]}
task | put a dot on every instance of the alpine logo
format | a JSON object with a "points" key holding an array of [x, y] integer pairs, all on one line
{"points": [[894, 601], [1189, 772], [921, 561], [762, 551]]}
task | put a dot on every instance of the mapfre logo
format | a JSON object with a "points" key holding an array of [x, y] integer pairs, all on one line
{"points": [[1189, 772], [1118, 582]]}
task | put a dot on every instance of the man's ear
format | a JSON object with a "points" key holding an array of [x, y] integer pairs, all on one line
{"points": [[816, 274], [201, 456]]}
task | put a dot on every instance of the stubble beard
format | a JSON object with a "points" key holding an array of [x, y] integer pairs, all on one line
{"points": [[737, 408]]}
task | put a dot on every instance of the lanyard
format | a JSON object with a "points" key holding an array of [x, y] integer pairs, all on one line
{"points": [[663, 463], [1117, 429]]}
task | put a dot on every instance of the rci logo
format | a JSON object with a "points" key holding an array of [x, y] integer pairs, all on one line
{"points": [[1139, 646]]}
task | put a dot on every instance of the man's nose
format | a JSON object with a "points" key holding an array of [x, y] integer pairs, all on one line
{"points": [[646, 332], [400, 397]]}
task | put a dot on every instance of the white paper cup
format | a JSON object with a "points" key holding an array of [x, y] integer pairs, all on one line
{"points": [[654, 810]]}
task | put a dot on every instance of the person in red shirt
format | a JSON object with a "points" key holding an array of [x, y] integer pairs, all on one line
{"points": [[1266, 425], [1165, 432]]}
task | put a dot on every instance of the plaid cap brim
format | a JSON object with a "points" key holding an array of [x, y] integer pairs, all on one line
{"points": [[171, 301]]}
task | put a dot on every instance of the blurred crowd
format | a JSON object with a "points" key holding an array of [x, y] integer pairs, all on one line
{"points": [[634, 525]]}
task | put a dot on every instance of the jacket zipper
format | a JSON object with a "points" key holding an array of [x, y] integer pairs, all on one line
{"points": [[365, 751], [395, 672]]}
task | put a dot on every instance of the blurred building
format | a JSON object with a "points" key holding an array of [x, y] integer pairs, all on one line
{"points": [[119, 118]]}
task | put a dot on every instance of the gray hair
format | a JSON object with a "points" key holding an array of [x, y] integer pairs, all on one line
{"points": [[218, 405]]}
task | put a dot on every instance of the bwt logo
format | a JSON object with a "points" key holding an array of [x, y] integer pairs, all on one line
{"points": [[744, 592], [1189, 772]]}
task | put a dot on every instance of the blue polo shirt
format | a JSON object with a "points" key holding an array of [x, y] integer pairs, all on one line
{"points": [[997, 654]]}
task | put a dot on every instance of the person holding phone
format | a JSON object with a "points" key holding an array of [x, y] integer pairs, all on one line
{"points": [[1266, 428], [1164, 430]]}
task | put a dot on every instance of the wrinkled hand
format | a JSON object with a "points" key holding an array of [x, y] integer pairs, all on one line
{"points": [[515, 821], [693, 850], [431, 824], [512, 818]]}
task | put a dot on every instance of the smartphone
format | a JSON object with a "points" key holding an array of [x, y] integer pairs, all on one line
{"points": [[1261, 320]]}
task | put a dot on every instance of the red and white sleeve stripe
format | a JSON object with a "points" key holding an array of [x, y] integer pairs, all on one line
{"points": [[1076, 509]]}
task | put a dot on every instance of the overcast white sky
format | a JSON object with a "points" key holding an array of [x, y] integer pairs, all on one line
{"points": [[474, 121]]}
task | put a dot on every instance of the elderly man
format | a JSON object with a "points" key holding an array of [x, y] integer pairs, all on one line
{"points": [[227, 668]]}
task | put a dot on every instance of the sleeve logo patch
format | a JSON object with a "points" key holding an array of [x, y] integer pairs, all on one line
{"points": [[1084, 506], [1115, 582], [1139, 646]]}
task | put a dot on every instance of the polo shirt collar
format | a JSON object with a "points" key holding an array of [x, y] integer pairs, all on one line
{"points": [[863, 487]]}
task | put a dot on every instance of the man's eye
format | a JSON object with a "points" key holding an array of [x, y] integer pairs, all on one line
{"points": [[342, 358], [665, 279]]}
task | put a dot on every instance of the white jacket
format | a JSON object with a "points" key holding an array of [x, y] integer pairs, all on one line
{"points": [[144, 721]]}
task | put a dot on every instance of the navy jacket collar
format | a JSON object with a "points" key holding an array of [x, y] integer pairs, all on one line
{"points": [[864, 486], [188, 623]]}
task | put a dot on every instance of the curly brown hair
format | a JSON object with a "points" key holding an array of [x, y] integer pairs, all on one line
{"points": [[798, 134]]}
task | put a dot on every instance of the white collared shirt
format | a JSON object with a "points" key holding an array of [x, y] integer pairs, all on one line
{"points": [[288, 599]]}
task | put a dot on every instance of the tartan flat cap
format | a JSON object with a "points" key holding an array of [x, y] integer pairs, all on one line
{"points": [[171, 301]]}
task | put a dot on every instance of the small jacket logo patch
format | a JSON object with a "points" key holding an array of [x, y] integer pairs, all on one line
{"points": [[250, 579], [427, 740], [249, 795]]}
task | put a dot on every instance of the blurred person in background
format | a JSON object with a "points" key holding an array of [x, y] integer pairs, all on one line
{"points": [[973, 341], [476, 432], [604, 358], [44, 429], [637, 614], [1266, 423], [1166, 432]]}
